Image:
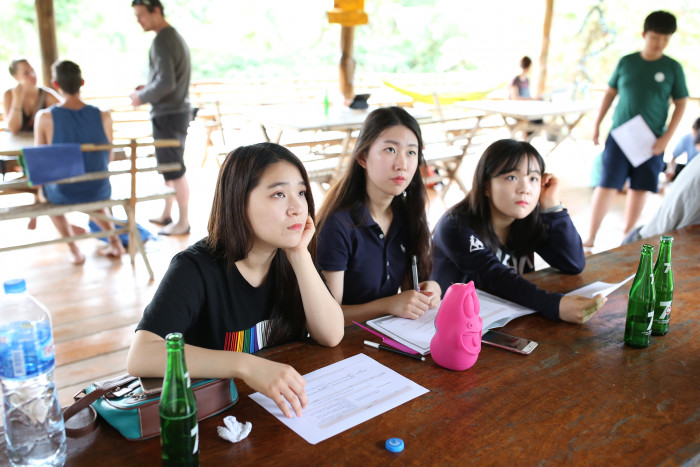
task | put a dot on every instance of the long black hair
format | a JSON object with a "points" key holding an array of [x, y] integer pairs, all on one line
{"points": [[350, 192], [231, 235], [501, 157]]}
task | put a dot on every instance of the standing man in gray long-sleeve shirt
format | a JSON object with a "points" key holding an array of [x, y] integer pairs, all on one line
{"points": [[168, 92]]}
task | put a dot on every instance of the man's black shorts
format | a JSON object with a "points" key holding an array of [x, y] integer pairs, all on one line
{"points": [[172, 126]]}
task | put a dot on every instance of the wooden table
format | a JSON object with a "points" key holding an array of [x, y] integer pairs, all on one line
{"points": [[11, 142], [554, 114], [581, 398]]}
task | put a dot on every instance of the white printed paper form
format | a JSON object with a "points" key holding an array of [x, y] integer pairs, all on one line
{"points": [[635, 138], [343, 395]]}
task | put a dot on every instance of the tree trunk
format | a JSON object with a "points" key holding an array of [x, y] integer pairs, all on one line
{"points": [[47, 37], [347, 62], [542, 81]]}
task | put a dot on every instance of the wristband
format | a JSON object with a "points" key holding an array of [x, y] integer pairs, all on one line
{"points": [[558, 207]]}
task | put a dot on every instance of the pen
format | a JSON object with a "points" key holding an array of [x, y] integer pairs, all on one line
{"points": [[414, 270], [391, 349]]}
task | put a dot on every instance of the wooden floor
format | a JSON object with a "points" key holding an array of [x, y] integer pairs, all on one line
{"points": [[96, 306]]}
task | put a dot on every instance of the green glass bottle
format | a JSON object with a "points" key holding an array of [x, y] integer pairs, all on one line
{"points": [[179, 431], [326, 104], [640, 307], [663, 283]]}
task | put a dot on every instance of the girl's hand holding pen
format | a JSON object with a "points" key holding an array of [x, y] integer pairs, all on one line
{"points": [[408, 304], [431, 289]]}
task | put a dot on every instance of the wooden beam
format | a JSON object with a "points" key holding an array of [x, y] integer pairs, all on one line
{"points": [[47, 37], [546, 29], [347, 62]]}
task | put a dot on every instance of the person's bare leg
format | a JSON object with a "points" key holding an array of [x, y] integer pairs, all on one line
{"points": [[77, 230], [600, 205], [114, 249], [166, 217], [634, 203], [32, 221], [65, 230], [182, 196]]}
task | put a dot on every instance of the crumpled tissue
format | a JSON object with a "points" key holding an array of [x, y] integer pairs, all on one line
{"points": [[234, 430]]}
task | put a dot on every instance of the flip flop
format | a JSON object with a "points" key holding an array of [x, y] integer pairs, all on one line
{"points": [[165, 232], [163, 222]]}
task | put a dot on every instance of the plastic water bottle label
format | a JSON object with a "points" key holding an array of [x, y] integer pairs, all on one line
{"points": [[18, 367], [26, 349]]}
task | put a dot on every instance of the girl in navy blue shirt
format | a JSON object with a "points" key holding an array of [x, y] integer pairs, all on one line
{"points": [[512, 211], [373, 222]]}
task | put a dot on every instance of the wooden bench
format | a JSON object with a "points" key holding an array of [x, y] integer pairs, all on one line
{"points": [[127, 201], [449, 139], [447, 159], [321, 171]]}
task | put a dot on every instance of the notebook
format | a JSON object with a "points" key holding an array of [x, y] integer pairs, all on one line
{"points": [[417, 334]]}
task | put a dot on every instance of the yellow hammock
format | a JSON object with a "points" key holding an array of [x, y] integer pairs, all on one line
{"points": [[443, 98]]}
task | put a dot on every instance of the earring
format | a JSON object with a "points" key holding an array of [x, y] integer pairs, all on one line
{"points": [[404, 193]]}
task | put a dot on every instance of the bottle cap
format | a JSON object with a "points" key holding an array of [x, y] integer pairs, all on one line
{"points": [[15, 286], [394, 445]]}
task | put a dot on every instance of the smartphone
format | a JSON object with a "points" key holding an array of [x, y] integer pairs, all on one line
{"points": [[151, 386], [512, 343]]}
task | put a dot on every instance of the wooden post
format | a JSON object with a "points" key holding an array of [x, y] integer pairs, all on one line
{"points": [[347, 62], [542, 81], [47, 37]]}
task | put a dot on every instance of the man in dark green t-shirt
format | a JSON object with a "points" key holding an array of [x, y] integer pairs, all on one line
{"points": [[644, 82]]}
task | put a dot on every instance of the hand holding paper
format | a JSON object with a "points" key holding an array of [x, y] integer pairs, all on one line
{"points": [[603, 288], [636, 139]]}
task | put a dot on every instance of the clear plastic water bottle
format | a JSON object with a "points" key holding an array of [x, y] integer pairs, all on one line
{"points": [[34, 431]]}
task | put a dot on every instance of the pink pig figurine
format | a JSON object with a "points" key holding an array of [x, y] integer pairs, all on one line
{"points": [[457, 340]]}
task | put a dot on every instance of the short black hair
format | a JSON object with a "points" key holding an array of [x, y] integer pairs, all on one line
{"points": [[150, 5], [67, 75], [696, 124], [697, 139], [525, 62], [661, 22]]}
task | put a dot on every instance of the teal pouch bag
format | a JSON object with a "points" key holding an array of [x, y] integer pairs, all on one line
{"points": [[123, 403]]}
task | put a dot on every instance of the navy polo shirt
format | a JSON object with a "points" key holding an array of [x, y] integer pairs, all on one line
{"points": [[374, 263]]}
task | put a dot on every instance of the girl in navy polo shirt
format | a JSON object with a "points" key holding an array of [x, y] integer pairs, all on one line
{"points": [[249, 284], [373, 221], [512, 211]]}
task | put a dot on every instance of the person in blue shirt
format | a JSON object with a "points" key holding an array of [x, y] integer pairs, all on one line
{"points": [[512, 211], [520, 86], [685, 146], [373, 222], [74, 121]]}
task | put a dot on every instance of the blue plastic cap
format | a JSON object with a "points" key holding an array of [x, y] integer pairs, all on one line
{"points": [[15, 286], [394, 445]]}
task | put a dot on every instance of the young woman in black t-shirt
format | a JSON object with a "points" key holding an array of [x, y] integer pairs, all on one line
{"points": [[260, 226]]}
